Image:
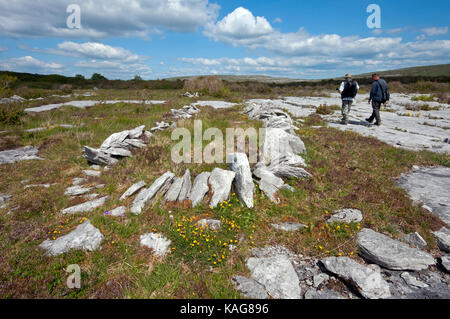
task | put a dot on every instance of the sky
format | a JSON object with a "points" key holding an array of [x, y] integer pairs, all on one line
{"points": [[168, 38]]}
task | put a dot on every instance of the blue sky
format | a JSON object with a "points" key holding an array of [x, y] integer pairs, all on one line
{"points": [[165, 38]]}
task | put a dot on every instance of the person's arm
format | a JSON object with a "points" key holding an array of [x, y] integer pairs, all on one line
{"points": [[341, 88], [372, 91]]}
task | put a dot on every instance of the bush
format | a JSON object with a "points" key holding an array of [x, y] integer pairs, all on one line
{"points": [[10, 115], [327, 109], [210, 85]]}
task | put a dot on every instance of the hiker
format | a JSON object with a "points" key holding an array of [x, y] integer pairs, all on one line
{"points": [[348, 89], [379, 94]]}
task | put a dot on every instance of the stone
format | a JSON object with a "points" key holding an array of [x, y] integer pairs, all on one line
{"points": [[220, 181], [430, 186], [37, 185], [115, 151], [443, 239], [157, 242], [86, 207], [319, 279], [243, 181], [19, 154], [78, 181], [212, 224], [186, 187], [277, 275], [322, 294], [445, 262], [77, 190], [132, 190], [92, 173], [283, 170], [96, 167], [200, 188], [414, 240], [174, 191], [118, 211], [97, 156], [147, 194], [346, 216], [390, 253], [249, 288], [413, 281], [289, 227], [367, 281], [84, 237]]}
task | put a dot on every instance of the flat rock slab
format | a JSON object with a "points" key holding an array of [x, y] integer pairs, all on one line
{"points": [[118, 211], [443, 239], [84, 237], [366, 280], [19, 154], [430, 186], [277, 275], [185, 187], [92, 173], [445, 262], [289, 227], [84, 104], [220, 181], [390, 253], [132, 190], [249, 288], [200, 188], [174, 190], [414, 240], [77, 190], [243, 180], [346, 216], [86, 207], [157, 242], [147, 194], [215, 104]]}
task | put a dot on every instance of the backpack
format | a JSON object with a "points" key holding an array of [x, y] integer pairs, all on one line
{"points": [[350, 89], [384, 93]]}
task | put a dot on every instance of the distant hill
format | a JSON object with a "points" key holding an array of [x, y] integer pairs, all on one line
{"points": [[441, 70], [244, 78]]}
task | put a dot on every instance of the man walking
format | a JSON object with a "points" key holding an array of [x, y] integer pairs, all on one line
{"points": [[348, 89], [378, 95]]}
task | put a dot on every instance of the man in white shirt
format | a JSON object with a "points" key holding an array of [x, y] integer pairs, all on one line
{"points": [[348, 89]]}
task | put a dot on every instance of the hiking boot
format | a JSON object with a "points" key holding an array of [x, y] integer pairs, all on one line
{"points": [[368, 120], [377, 124]]}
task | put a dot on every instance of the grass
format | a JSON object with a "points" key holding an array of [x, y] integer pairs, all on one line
{"points": [[348, 170]]}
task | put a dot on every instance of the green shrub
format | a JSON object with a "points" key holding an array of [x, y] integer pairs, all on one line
{"points": [[10, 115]]}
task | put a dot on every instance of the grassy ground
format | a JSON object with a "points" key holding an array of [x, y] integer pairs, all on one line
{"points": [[348, 171]]}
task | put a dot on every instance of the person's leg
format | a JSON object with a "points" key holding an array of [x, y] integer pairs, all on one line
{"points": [[370, 119], [376, 110], [345, 111]]}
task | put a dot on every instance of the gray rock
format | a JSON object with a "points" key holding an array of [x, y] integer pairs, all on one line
{"points": [[445, 262], [200, 188], [443, 239], [115, 151], [147, 194], [283, 170], [249, 288], [86, 207], [277, 275], [78, 181], [430, 186], [346, 216], [37, 185], [118, 211], [77, 190], [157, 242], [289, 227], [414, 240], [212, 224], [174, 190], [319, 279], [413, 281], [97, 156], [19, 154], [322, 294], [92, 173], [186, 187], [367, 281], [243, 180], [390, 253], [220, 181], [132, 190], [84, 237]]}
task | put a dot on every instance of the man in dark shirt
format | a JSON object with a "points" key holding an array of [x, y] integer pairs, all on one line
{"points": [[377, 96]]}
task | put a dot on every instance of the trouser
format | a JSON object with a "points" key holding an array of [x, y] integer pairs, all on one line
{"points": [[346, 106], [376, 105]]}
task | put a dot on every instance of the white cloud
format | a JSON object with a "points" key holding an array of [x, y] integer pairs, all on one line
{"points": [[29, 64], [2, 49], [435, 31], [95, 50], [278, 20], [240, 24], [104, 18]]}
